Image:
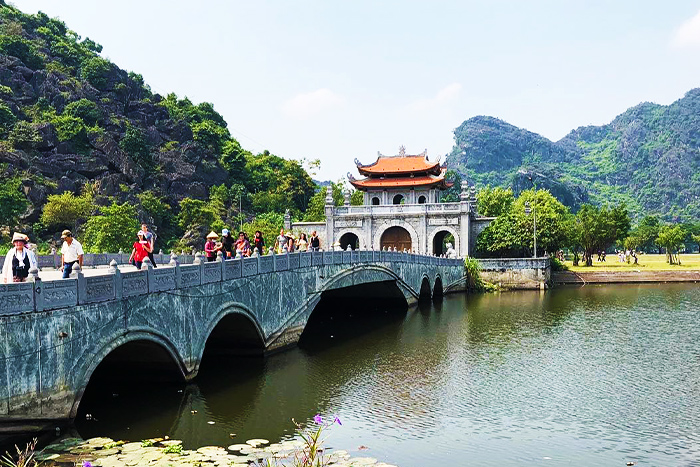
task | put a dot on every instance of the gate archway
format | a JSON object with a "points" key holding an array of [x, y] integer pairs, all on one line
{"points": [[440, 241], [351, 239], [396, 237]]}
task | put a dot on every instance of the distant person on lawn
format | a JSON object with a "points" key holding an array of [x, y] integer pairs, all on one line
{"points": [[19, 260], [71, 253]]}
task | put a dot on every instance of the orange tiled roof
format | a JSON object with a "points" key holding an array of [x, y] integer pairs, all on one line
{"points": [[399, 165], [401, 182]]}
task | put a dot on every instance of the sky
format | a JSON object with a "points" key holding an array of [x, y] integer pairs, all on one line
{"points": [[339, 81]]}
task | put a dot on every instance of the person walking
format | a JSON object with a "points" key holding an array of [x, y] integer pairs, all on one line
{"points": [[302, 243], [242, 245], [19, 260], [71, 253], [140, 250], [210, 246], [259, 243], [281, 242], [150, 237], [315, 242], [227, 243]]}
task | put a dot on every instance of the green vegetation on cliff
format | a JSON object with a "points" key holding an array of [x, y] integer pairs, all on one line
{"points": [[647, 158], [88, 146]]}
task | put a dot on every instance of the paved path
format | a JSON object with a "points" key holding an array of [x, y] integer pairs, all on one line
{"points": [[50, 274]]}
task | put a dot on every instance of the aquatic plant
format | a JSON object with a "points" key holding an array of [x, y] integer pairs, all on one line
{"points": [[25, 458], [311, 453], [173, 449]]}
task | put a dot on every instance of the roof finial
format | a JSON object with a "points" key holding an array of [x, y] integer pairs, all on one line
{"points": [[402, 151]]}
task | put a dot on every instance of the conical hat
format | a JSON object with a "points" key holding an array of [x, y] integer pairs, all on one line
{"points": [[213, 234]]}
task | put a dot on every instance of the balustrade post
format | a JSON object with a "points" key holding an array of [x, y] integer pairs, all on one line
{"points": [[176, 264], [198, 261], [77, 273], [38, 290], [118, 286]]}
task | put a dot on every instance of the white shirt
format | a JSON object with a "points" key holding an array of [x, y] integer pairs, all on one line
{"points": [[71, 252], [7, 267]]}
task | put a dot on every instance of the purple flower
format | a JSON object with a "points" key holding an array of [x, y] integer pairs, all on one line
{"points": [[318, 419], [87, 464], [337, 420]]}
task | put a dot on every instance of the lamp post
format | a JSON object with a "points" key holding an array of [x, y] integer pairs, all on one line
{"points": [[534, 226]]}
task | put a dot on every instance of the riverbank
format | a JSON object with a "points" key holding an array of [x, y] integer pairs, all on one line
{"points": [[623, 276]]}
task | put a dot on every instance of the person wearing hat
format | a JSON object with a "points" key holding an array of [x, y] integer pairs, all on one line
{"points": [[71, 253], [290, 242], [210, 246], [19, 260], [227, 243], [140, 250]]}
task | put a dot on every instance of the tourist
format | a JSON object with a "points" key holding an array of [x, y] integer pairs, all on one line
{"points": [[603, 256], [314, 242], [302, 243], [634, 255], [150, 237], [210, 248], [71, 253], [140, 250], [19, 260], [259, 243], [227, 243], [242, 245], [290, 242], [281, 242]]}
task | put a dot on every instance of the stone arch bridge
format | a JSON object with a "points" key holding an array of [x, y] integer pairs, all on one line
{"points": [[54, 334]]}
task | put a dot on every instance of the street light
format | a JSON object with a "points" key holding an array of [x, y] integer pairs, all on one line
{"points": [[534, 225]]}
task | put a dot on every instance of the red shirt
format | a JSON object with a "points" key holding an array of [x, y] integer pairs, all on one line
{"points": [[139, 251]]}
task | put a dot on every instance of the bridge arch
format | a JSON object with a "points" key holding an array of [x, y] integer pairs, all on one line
{"points": [[439, 232], [149, 336], [425, 292], [438, 290], [223, 324], [396, 223]]}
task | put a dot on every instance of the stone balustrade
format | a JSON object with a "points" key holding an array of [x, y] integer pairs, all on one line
{"points": [[179, 273]]}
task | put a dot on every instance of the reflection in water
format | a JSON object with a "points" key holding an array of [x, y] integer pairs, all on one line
{"points": [[592, 375]]}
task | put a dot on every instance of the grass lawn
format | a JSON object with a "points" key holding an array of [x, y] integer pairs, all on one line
{"points": [[646, 263]]}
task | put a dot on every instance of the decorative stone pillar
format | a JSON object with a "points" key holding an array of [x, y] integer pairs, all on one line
{"points": [[176, 264], [287, 221], [346, 200], [329, 209], [464, 221]]}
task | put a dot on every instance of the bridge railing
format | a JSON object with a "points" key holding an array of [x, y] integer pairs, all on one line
{"points": [[114, 284]]}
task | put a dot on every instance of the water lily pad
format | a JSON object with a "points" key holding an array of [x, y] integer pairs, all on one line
{"points": [[211, 450], [257, 442], [171, 442], [238, 447], [46, 456], [99, 442], [107, 452], [131, 447]]}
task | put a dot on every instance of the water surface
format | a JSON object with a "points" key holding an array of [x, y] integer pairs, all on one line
{"points": [[599, 375]]}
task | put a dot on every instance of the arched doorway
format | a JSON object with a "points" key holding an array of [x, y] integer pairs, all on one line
{"points": [[396, 237], [440, 242], [399, 199], [422, 199], [351, 239], [375, 201]]}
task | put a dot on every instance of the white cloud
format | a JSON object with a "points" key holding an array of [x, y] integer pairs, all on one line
{"points": [[312, 103], [688, 34], [444, 96]]}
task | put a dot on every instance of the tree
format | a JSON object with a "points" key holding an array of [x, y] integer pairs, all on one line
{"points": [[644, 235], [492, 202], [84, 109], [511, 233], [135, 144], [597, 228], [195, 212], [24, 136], [315, 211], [113, 230], [269, 224], [671, 238], [64, 211]]}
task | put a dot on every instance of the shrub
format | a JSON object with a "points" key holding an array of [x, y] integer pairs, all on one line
{"points": [[65, 210], [96, 71], [210, 135], [7, 119], [69, 128], [84, 109], [22, 49], [12, 202], [24, 136], [134, 143], [558, 265]]}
